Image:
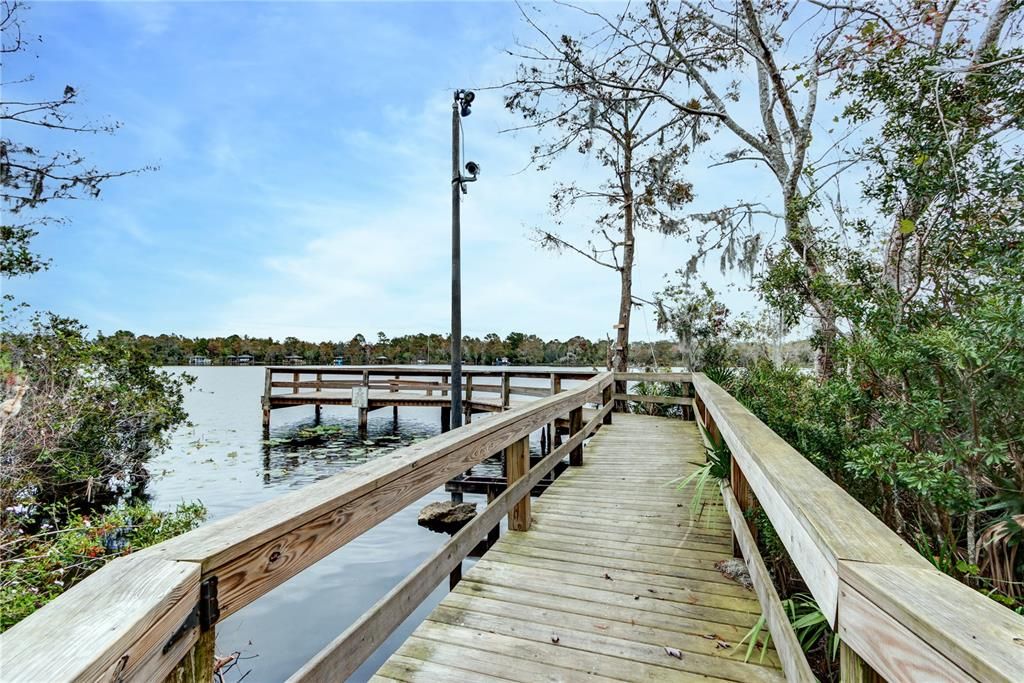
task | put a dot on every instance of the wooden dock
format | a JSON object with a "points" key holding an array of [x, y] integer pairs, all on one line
{"points": [[371, 387], [612, 578], [605, 577]]}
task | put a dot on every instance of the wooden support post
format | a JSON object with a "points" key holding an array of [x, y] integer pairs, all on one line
{"points": [[495, 533], [446, 419], [620, 406], [556, 387], [267, 386], [445, 379], [394, 414], [295, 378], [853, 669], [745, 497], [575, 425], [364, 413], [393, 387], [316, 413], [468, 404], [197, 664], [506, 390], [606, 398], [517, 459]]}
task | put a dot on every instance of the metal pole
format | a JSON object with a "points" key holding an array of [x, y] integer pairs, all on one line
{"points": [[456, 412]]}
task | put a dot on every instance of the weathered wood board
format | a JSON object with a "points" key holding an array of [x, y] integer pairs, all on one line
{"points": [[563, 602]]}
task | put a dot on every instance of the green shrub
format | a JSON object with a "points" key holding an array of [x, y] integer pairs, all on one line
{"points": [[36, 568]]}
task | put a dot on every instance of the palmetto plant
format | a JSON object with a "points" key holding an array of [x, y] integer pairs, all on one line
{"points": [[721, 375], [808, 623], [717, 468]]}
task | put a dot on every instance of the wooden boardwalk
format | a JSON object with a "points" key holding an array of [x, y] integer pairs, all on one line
{"points": [[613, 581], [604, 577]]}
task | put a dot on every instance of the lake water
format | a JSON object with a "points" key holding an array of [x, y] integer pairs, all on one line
{"points": [[223, 461]]}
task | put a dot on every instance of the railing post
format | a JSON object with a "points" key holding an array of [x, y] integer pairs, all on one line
{"points": [[268, 381], [556, 388], [445, 379], [295, 378], [318, 389], [606, 398], [197, 664], [620, 388], [506, 390], [364, 413], [853, 669], [575, 425], [467, 407], [517, 463]]}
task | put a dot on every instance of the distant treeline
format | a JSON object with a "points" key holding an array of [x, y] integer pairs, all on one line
{"points": [[517, 347]]}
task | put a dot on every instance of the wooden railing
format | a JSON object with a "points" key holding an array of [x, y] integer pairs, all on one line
{"points": [[899, 618], [397, 380], [682, 378], [421, 381], [147, 614], [152, 612]]}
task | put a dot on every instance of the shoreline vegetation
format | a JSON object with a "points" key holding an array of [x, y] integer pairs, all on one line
{"points": [[517, 348]]}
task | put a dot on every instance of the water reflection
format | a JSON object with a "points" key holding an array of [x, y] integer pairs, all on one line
{"points": [[302, 452]]}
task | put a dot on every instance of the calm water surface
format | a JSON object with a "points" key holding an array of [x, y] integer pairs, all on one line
{"points": [[223, 461]]}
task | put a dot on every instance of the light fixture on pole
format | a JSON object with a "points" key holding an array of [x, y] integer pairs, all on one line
{"points": [[460, 107]]}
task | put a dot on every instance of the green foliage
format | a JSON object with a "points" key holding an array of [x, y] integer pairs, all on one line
{"points": [[808, 623], [716, 469], [91, 413], [36, 568], [698, 321], [720, 375], [674, 389]]}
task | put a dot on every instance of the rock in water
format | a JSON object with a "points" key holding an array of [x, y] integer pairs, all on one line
{"points": [[446, 516], [735, 569]]}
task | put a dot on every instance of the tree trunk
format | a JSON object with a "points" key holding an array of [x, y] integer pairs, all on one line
{"points": [[621, 357], [799, 236]]}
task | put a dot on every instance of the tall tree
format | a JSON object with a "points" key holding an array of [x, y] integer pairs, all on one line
{"points": [[32, 176], [792, 50], [590, 95]]}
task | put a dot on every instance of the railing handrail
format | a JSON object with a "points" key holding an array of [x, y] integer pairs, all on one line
{"points": [[131, 618], [529, 371], [901, 615]]}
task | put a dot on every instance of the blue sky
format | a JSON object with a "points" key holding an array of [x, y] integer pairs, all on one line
{"points": [[302, 184]]}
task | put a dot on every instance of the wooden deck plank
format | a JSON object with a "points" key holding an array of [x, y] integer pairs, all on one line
{"points": [[625, 609], [411, 670], [490, 663], [629, 571], [613, 571]]}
